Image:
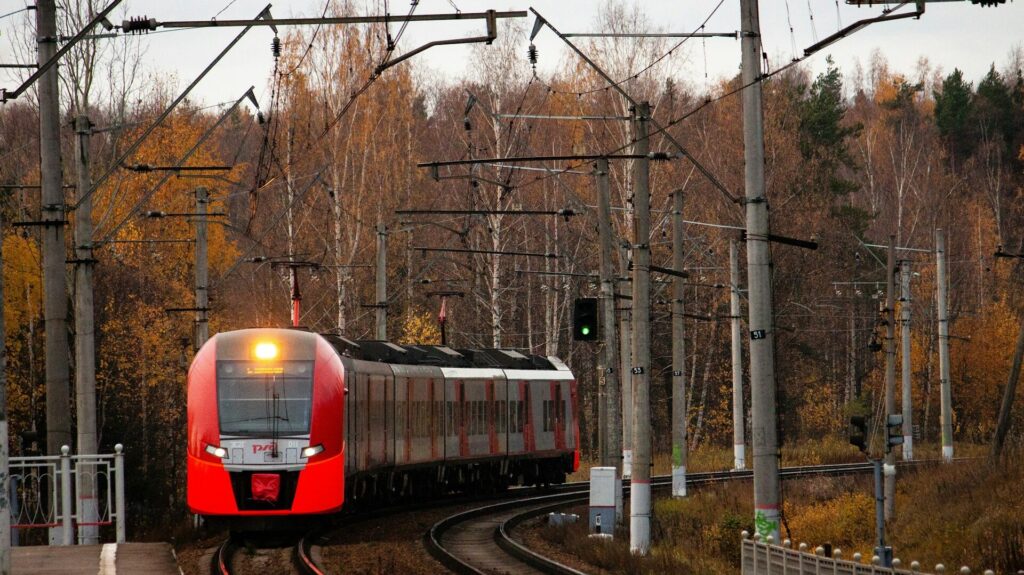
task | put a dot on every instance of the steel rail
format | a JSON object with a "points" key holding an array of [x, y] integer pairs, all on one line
{"points": [[305, 559], [221, 561]]}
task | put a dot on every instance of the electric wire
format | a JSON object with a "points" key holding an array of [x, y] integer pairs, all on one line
{"points": [[228, 5], [792, 35], [685, 116], [814, 29], [312, 39], [13, 13], [645, 69]]}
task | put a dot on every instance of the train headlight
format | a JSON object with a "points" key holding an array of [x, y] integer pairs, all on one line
{"points": [[312, 450], [265, 350], [215, 451]]}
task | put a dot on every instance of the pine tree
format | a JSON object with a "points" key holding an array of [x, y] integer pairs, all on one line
{"points": [[952, 113]]}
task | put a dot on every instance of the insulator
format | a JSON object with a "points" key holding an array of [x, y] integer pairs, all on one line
{"points": [[138, 24], [275, 47], [531, 52]]}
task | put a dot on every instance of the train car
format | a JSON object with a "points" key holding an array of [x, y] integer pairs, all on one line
{"points": [[285, 422]]}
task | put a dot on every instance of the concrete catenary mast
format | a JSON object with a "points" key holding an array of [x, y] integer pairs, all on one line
{"points": [[762, 351], [640, 491], [738, 421], [946, 399], [678, 352]]}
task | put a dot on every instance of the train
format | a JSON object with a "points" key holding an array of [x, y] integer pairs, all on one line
{"points": [[287, 422]]}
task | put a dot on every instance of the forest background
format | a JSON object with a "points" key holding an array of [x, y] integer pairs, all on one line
{"points": [[853, 156]]}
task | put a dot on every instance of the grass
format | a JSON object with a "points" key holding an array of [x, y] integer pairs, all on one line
{"points": [[829, 449], [969, 513]]}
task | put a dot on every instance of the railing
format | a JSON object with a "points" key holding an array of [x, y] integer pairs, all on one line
{"points": [[759, 557], [60, 492]]}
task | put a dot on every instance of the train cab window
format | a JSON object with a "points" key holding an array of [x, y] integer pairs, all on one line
{"points": [[520, 422], [258, 399]]}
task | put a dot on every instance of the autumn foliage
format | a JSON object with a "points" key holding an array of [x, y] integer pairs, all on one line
{"points": [[853, 156]]}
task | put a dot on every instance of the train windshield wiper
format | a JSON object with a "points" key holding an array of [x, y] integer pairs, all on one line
{"points": [[261, 418]]}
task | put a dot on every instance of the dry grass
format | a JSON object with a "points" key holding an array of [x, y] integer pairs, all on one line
{"points": [[829, 449], [968, 513]]}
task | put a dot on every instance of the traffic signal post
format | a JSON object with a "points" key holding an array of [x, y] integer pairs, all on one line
{"points": [[893, 437], [585, 324]]}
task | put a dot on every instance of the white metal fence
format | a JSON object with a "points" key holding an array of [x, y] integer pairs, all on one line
{"points": [[765, 558], [64, 492]]}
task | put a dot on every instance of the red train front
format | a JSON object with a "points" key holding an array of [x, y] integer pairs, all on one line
{"points": [[287, 424], [275, 444]]}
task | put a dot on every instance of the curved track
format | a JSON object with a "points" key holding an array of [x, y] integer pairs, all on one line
{"points": [[305, 555], [221, 562], [480, 541]]}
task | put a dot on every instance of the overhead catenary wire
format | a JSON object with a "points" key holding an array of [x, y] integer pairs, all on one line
{"points": [[635, 75], [26, 9], [808, 53]]}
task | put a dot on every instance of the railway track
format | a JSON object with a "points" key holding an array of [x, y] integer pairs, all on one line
{"points": [[221, 562], [305, 555], [479, 541]]}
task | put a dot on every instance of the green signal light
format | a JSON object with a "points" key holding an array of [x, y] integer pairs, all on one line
{"points": [[585, 330]]}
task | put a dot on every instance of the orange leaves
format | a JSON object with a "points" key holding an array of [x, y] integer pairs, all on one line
{"points": [[22, 281], [420, 327]]}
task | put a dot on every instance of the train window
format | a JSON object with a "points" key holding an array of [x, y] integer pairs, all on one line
{"points": [[259, 404], [520, 421]]}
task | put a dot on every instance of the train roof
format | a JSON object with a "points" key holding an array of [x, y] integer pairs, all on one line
{"points": [[439, 355]]}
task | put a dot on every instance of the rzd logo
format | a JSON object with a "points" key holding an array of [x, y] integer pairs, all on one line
{"points": [[256, 448]]}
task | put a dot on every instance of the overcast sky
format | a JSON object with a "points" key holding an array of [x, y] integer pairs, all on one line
{"points": [[953, 34]]}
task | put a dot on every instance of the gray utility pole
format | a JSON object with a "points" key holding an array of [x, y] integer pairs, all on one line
{"points": [[381, 305], [941, 302], [611, 430], [55, 304], [851, 361], [678, 353], [85, 335], [759, 280], [5, 475], [890, 373], [738, 421], [625, 377], [1009, 392], [202, 329], [640, 491], [908, 402]]}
